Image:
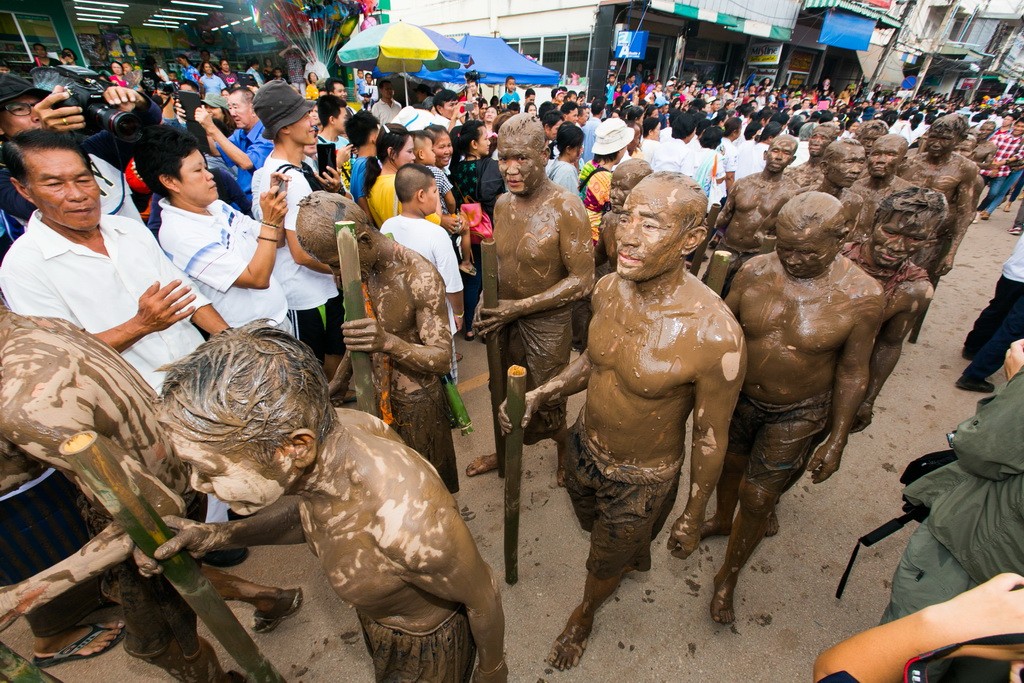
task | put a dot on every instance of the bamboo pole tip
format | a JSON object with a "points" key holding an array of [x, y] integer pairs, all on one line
{"points": [[722, 254], [79, 442], [517, 371], [344, 225]]}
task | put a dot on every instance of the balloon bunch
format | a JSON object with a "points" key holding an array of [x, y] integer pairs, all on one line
{"points": [[317, 27]]}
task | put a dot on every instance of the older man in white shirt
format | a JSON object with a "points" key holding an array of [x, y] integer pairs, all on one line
{"points": [[104, 273]]}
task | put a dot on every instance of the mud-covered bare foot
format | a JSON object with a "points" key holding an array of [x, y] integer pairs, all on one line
{"points": [[482, 464], [773, 525], [721, 604], [569, 646], [48, 647], [715, 527]]}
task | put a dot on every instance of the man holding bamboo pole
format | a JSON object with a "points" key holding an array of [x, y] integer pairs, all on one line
{"points": [[661, 346], [545, 263]]}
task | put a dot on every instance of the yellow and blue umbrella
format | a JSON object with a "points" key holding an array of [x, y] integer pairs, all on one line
{"points": [[402, 47]]}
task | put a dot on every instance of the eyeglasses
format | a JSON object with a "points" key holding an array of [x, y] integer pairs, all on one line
{"points": [[19, 108]]}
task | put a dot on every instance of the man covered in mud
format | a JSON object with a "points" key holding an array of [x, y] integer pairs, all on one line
{"points": [[810, 173], [751, 208], [905, 222], [625, 177], [545, 263], [56, 381], [869, 131], [884, 161], [843, 163], [809, 316], [938, 167], [662, 346], [250, 412], [406, 328]]}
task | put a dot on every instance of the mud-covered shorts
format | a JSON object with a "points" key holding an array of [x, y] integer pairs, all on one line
{"points": [[445, 655], [541, 343], [778, 438], [421, 419], [623, 517]]}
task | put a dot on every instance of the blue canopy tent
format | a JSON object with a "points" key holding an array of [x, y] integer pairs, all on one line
{"points": [[494, 60]]}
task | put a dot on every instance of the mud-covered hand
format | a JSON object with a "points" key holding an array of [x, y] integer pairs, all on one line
{"points": [[944, 267], [192, 537], [148, 567], [366, 335], [532, 403], [864, 416], [685, 537], [490, 320], [825, 460]]}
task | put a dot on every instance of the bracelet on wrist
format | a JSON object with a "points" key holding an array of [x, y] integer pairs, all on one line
{"points": [[270, 225], [267, 239]]}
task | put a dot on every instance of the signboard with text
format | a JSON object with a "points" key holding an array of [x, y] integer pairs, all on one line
{"points": [[765, 54], [631, 44], [966, 84]]}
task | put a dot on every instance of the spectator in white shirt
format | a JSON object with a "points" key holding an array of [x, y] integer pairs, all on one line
{"points": [[751, 158], [228, 255], [729, 151], [675, 154], [386, 109], [103, 273], [651, 137]]}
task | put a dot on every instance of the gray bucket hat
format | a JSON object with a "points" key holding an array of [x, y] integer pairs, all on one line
{"points": [[278, 105]]}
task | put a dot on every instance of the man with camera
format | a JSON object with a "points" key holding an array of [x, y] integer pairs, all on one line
{"points": [[24, 107]]}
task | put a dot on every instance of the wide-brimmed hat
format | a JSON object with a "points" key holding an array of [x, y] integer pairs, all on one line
{"points": [[278, 105], [611, 136]]}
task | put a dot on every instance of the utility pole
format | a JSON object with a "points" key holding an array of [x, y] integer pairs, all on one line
{"points": [[934, 45], [905, 16]]}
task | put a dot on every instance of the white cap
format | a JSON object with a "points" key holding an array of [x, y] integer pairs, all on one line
{"points": [[611, 136]]}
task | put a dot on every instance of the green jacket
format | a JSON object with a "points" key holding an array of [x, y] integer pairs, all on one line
{"points": [[977, 503]]}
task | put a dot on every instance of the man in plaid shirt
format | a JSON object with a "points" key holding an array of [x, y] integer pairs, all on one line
{"points": [[1006, 167]]}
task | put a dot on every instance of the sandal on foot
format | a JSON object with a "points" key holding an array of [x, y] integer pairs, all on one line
{"points": [[69, 653], [286, 605], [470, 336], [468, 268]]}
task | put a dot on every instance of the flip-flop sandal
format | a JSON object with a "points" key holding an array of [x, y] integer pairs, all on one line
{"points": [[287, 605], [468, 269], [69, 653]]}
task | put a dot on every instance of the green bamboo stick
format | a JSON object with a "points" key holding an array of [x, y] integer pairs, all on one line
{"points": [[698, 253], [457, 405], [717, 270], [97, 461], [355, 309], [515, 408], [495, 373], [16, 669]]}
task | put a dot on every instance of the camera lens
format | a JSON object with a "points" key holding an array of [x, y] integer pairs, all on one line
{"points": [[124, 125]]}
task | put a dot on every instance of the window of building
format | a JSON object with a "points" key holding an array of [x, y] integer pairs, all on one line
{"points": [[17, 34], [565, 54], [530, 47], [578, 56]]}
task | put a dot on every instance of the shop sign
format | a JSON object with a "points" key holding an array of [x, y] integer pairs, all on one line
{"points": [[765, 54], [631, 44], [966, 84], [801, 61]]}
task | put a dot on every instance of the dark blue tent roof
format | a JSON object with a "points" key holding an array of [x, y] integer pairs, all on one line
{"points": [[494, 60]]}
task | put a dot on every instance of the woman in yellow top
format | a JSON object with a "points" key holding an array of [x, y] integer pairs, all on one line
{"points": [[312, 90], [394, 150]]}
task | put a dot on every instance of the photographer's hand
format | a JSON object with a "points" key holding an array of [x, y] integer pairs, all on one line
{"points": [[124, 98], [56, 118]]}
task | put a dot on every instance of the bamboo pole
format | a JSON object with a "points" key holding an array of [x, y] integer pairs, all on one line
{"points": [[768, 244], [16, 669], [717, 271], [355, 309], [515, 408], [495, 373], [698, 253], [97, 462], [457, 405]]}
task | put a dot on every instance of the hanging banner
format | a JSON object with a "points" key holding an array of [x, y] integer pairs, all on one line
{"points": [[631, 44], [841, 29]]}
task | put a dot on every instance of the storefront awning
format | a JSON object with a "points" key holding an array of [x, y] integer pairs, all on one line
{"points": [[729, 21], [881, 17]]}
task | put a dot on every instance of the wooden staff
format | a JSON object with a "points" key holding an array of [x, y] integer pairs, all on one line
{"points": [[495, 373], [15, 669], [515, 408], [717, 271], [355, 309], [698, 253], [97, 462]]}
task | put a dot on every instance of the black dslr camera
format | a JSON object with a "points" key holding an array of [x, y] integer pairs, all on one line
{"points": [[86, 88]]}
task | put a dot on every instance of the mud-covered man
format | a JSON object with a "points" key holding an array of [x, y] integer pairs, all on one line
{"points": [[662, 346], [810, 173], [545, 262], [625, 177], [250, 412], [904, 223], [843, 163], [406, 328], [809, 316], [884, 160]]}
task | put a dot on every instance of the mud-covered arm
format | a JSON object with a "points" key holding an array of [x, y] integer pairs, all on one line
{"points": [[850, 385], [727, 212], [105, 550], [716, 389], [450, 567], [963, 213], [889, 343], [279, 524]]}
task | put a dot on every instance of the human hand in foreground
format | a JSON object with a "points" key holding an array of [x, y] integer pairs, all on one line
{"points": [[685, 537], [490, 320], [192, 537], [533, 402], [825, 460], [1014, 359]]}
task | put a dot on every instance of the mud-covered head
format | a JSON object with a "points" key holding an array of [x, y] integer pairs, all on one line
{"points": [[986, 129], [869, 131], [824, 134], [247, 411], [810, 231], [905, 222], [625, 177], [662, 221], [944, 135], [886, 155], [522, 154], [843, 162], [314, 225], [968, 145], [780, 153]]}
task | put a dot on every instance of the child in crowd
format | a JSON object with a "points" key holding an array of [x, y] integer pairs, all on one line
{"points": [[362, 129], [424, 150]]}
